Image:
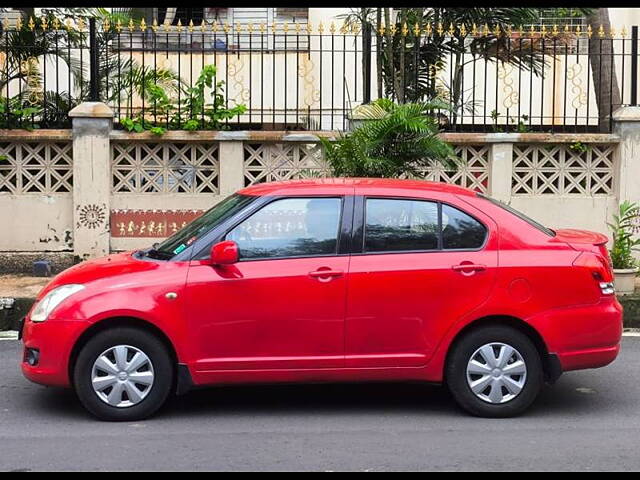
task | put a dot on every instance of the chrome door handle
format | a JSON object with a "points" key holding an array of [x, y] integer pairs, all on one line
{"points": [[325, 274], [469, 266]]}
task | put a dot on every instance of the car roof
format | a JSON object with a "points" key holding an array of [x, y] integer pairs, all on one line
{"points": [[320, 186]]}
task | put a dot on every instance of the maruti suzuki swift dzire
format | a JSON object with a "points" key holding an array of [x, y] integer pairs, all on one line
{"points": [[332, 280]]}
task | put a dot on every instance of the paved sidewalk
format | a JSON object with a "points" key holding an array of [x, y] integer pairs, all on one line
{"points": [[21, 286]]}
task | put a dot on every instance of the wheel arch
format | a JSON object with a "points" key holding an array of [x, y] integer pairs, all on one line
{"points": [[123, 321], [550, 363]]}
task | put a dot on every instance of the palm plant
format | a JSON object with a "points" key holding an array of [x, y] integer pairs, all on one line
{"points": [[624, 243], [25, 51], [399, 140], [119, 77], [23, 45], [407, 62]]}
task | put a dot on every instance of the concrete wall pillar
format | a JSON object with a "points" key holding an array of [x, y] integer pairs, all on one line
{"points": [[626, 124], [500, 170], [92, 123], [231, 155]]}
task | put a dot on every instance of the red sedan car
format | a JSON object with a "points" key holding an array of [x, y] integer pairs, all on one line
{"points": [[332, 280]]}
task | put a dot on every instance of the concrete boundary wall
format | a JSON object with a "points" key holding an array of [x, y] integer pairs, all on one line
{"points": [[91, 190]]}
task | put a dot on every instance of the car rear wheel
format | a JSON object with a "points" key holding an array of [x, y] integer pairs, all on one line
{"points": [[494, 371], [123, 374]]}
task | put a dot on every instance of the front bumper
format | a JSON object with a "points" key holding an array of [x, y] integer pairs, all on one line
{"points": [[54, 339]]}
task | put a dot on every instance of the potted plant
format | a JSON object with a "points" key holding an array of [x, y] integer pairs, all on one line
{"points": [[625, 266]]}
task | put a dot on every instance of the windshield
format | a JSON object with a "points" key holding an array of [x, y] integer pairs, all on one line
{"points": [[200, 226], [520, 215]]}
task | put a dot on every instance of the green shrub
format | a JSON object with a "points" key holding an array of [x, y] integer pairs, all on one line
{"points": [[195, 111], [397, 141]]}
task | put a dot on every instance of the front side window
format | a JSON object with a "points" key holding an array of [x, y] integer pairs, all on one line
{"points": [[291, 227], [397, 225]]}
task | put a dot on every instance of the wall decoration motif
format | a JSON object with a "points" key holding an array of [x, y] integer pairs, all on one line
{"points": [[91, 216], [150, 223]]}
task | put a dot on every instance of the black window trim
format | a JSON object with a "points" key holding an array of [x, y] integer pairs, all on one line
{"points": [[344, 226], [359, 222]]}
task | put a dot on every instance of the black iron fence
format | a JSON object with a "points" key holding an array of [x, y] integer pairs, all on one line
{"points": [[313, 77]]}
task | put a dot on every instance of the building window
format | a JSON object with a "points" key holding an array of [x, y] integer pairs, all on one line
{"points": [[562, 18], [294, 14], [184, 15]]}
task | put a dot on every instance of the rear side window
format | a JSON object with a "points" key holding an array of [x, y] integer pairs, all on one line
{"points": [[459, 230], [393, 225]]}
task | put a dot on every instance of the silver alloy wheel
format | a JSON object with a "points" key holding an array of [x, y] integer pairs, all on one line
{"points": [[496, 373], [122, 376]]}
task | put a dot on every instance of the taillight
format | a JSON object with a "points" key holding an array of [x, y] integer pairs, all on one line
{"points": [[607, 288], [600, 270]]}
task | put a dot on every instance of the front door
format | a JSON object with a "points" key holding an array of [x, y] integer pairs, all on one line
{"points": [[422, 265], [282, 305]]}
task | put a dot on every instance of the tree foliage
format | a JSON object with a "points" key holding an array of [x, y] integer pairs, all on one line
{"points": [[406, 62]]}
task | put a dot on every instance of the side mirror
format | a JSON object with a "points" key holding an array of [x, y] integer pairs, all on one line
{"points": [[224, 253]]}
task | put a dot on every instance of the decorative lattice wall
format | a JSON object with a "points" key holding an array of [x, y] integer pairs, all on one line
{"points": [[43, 167], [270, 162], [548, 169], [471, 172], [165, 167]]}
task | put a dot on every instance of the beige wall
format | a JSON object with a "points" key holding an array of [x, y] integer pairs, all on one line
{"points": [[45, 221], [32, 222], [569, 212]]}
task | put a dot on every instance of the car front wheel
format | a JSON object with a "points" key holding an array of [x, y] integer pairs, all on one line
{"points": [[123, 374], [494, 371]]}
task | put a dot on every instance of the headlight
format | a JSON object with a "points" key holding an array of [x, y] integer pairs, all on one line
{"points": [[51, 300]]}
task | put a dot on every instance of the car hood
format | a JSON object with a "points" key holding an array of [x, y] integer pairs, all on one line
{"points": [[101, 268]]}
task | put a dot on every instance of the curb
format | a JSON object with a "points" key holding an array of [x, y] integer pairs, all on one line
{"points": [[9, 319]]}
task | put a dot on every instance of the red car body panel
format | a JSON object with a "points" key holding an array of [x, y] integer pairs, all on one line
{"points": [[289, 320], [389, 316]]}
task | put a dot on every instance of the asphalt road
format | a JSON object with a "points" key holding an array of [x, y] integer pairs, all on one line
{"points": [[589, 420]]}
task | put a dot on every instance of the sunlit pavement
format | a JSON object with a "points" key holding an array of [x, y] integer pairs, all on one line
{"points": [[589, 420]]}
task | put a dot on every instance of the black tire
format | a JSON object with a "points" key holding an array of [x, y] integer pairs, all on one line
{"points": [[456, 371], [155, 350]]}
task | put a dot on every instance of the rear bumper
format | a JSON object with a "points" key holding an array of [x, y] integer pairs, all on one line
{"points": [[592, 358], [586, 336]]}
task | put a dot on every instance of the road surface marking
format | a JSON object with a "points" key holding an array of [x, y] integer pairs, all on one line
{"points": [[9, 335]]}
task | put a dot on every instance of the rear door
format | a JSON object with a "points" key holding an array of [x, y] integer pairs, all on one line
{"points": [[418, 265]]}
